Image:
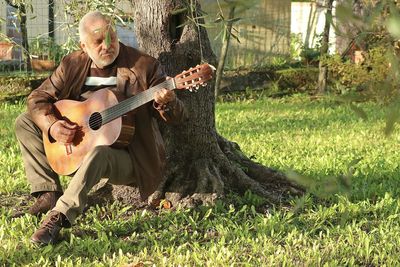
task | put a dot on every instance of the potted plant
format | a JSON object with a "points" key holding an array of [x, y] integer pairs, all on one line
{"points": [[45, 54], [6, 47]]}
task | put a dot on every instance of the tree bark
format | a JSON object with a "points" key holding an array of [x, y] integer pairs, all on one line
{"points": [[24, 32], [323, 69], [51, 20], [202, 165]]}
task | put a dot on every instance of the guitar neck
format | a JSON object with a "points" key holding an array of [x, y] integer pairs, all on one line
{"points": [[133, 102]]}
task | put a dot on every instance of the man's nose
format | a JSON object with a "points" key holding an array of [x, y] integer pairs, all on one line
{"points": [[105, 45]]}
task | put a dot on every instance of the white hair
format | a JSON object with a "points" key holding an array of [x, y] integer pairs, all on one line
{"points": [[91, 16]]}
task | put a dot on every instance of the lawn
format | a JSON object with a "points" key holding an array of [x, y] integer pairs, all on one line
{"points": [[319, 140]]}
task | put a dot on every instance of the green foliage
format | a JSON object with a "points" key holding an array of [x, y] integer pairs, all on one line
{"points": [[76, 9], [268, 80], [317, 139], [300, 52], [223, 21], [374, 68], [366, 77], [297, 79], [296, 44], [248, 94], [375, 29], [7, 66], [45, 48], [278, 62]]}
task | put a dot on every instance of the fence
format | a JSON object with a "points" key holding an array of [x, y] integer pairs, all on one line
{"points": [[263, 31]]}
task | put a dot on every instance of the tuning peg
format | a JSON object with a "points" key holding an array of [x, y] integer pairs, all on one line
{"points": [[204, 84]]}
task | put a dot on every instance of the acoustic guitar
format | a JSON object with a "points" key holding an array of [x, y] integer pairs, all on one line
{"points": [[102, 119]]}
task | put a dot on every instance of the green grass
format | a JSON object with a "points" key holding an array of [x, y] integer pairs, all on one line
{"points": [[317, 139]]}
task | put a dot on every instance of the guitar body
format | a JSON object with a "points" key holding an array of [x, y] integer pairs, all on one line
{"points": [[66, 159]]}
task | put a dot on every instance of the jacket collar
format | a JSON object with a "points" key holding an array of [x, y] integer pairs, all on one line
{"points": [[124, 74]]}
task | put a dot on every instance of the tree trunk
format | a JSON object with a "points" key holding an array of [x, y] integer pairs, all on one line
{"points": [[202, 165], [323, 69], [224, 51], [24, 33], [51, 21], [21, 9]]}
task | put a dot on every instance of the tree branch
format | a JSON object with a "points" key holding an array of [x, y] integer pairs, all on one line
{"points": [[8, 2]]}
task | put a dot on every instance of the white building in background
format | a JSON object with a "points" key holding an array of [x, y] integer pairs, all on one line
{"points": [[308, 21]]}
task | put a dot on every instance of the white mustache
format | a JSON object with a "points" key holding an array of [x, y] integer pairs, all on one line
{"points": [[111, 51]]}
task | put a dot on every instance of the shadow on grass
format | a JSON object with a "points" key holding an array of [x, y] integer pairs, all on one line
{"points": [[326, 189]]}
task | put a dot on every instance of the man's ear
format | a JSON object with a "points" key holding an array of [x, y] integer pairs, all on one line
{"points": [[83, 46]]}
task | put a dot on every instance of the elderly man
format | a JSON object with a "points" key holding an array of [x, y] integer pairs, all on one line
{"points": [[103, 62]]}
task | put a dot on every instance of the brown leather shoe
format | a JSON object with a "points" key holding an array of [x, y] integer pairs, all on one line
{"points": [[45, 202], [50, 228]]}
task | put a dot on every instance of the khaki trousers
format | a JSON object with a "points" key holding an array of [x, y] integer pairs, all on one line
{"points": [[103, 162]]}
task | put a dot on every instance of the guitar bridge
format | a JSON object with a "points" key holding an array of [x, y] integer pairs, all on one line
{"points": [[68, 149]]}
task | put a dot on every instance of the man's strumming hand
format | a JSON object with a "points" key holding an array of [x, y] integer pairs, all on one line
{"points": [[63, 131]]}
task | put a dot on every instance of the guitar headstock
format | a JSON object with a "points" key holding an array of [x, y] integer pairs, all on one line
{"points": [[195, 77]]}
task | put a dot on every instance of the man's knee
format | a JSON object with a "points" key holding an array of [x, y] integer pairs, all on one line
{"points": [[99, 153], [22, 124]]}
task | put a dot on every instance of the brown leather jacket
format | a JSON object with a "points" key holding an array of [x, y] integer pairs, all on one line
{"points": [[136, 72]]}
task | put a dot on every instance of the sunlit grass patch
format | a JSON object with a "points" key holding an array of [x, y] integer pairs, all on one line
{"points": [[316, 139]]}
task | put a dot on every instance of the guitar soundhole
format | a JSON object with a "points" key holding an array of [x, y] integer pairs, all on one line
{"points": [[95, 121]]}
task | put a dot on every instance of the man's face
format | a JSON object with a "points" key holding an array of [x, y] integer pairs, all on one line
{"points": [[94, 44]]}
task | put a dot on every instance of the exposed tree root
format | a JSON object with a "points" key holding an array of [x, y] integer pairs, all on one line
{"points": [[204, 180]]}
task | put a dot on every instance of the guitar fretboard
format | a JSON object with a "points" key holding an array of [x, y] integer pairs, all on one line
{"points": [[133, 102]]}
